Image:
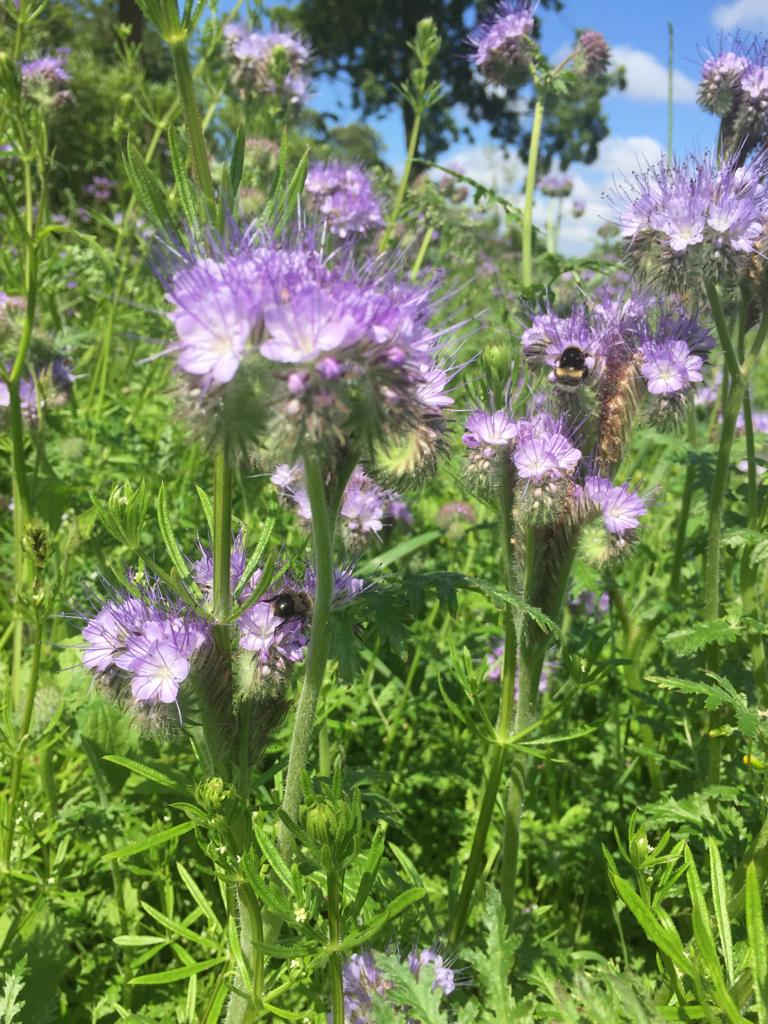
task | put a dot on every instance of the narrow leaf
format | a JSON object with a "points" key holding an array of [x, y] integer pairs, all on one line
{"points": [[757, 942], [166, 531], [177, 973], [156, 839], [720, 900]]}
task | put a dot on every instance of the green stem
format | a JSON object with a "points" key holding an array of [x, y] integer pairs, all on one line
{"points": [[17, 757], [242, 1007], [685, 509], [417, 263], [199, 152], [500, 744], [413, 141], [335, 936], [530, 185], [322, 535], [222, 535], [748, 576]]}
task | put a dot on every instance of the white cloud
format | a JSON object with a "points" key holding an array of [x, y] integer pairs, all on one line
{"points": [[618, 156], [647, 77], [744, 14]]}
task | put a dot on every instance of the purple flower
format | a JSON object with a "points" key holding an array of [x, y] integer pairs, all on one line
{"points": [[556, 185], [271, 62], [444, 977], [145, 643], [579, 208], [489, 431], [50, 68], [344, 197], [100, 188], [543, 451], [503, 41], [276, 641], [621, 508], [669, 367], [593, 53]]}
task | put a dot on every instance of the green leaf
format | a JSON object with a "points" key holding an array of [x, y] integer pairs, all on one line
{"points": [[148, 189], [179, 163], [177, 927], [493, 966], [237, 161], [256, 556], [757, 942], [177, 973], [140, 940], [720, 900], [205, 501], [166, 531], [415, 994], [704, 940], [695, 638], [370, 870], [667, 941], [273, 855], [199, 897], [156, 839], [399, 551], [393, 908], [146, 772]]}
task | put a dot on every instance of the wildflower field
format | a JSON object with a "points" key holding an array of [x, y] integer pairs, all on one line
{"points": [[384, 572]]}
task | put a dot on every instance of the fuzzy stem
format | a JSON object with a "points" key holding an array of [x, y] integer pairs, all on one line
{"points": [[413, 141], [17, 757], [222, 535], [500, 745], [530, 184], [317, 656], [199, 153], [335, 936], [241, 1009], [685, 508]]}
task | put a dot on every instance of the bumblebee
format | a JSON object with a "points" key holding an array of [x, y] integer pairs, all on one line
{"points": [[292, 604], [571, 367]]}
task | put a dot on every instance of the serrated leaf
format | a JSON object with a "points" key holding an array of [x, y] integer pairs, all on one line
{"points": [[184, 191], [695, 638], [720, 901], [205, 502], [156, 839], [270, 851], [256, 556], [369, 872], [757, 942], [147, 188]]}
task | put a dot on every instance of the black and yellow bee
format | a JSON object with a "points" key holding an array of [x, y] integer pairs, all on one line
{"points": [[571, 367], [292, 604]]}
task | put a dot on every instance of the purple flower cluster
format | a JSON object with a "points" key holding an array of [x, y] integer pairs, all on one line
{"points": [[694, 218], [49, 386], [143, 646], [45, 76], [364, 982], [556, 185], [100, 188], [668, 350], [734, 86], [593, 54], [365, 506], [344, 197], [269, 62], [352, 352], [503, 42], [546, 469]]}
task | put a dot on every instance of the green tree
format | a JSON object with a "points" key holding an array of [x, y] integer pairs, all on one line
{"points": [[366, 44]]}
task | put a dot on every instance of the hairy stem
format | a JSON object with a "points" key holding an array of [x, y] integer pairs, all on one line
{"points": [[530, 185], [199, 153], [317, 656], [335, 936], [413, 141]]}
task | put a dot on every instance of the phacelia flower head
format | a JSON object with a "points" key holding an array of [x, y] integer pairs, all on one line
{"points": [[365, 982], [143, 648], [669, 367], [593, 53], [503, 42], [543, 451], [344, 197], [335, 350], [734, 86], [556, 185], [100, 188], [49, 69], [621, 508], [694, 219], [269, 63]]}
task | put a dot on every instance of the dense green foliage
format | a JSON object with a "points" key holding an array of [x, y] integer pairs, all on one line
{"points": [[643, 867]]}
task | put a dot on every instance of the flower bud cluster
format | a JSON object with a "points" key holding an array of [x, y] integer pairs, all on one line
{"points": [[734, 86], [503, 43], [556, 185], [694, 219], [45, 76], [269, 63], [593, 55], [343, 196], [334, 352], [366, 508]]}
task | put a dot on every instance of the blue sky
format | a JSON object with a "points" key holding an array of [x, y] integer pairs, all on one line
{"points": [[637, 33]]}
